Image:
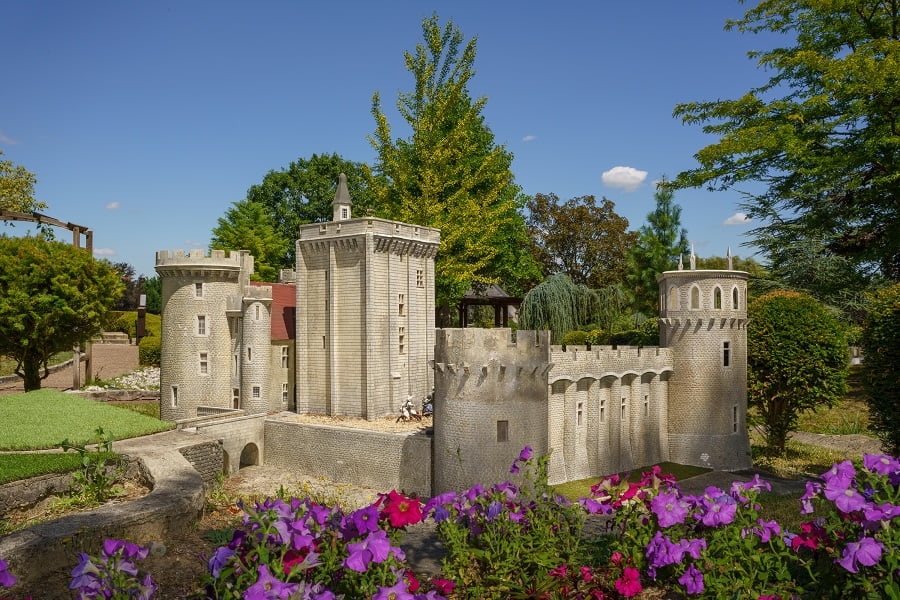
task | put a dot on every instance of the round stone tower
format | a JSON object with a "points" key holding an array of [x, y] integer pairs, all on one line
{"points": [[703, 318], [256, 346], [198, 295]]}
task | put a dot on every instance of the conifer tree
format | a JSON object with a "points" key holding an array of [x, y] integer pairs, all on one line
{"points": [[247, 226], [660, 243], [450, 174]]}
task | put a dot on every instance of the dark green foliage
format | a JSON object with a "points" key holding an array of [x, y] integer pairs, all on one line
{"points": [[557, 304], [149, 351], [249, 226], [646, 334], [126, 322], [575, 338], [797, 360], [52, 297], [153, 290], [881, 365], [659, 244], [93, 482]]}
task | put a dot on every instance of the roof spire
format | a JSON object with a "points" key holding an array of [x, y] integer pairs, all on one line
{"points": [[693, 259], [342, 202], [730, 261]]}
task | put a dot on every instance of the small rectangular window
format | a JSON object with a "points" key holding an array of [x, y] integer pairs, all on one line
{"points": [[256, 391], [734, 418], [624, 406], [603, 410], [579, 414], [401, 299], [343, 213], [502, 431], [204, 363], [285, 358], [198, 289], [235, 397], [234, 367], [726, 354], [174, 396], [284, 393], [249, 354], [256, 316], [420, 278], [646, 405], [201, 324], [401, 339]]}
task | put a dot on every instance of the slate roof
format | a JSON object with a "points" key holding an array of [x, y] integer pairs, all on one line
{"points": [[284, 307]]}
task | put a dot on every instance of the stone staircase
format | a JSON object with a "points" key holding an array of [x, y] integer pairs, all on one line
{"points": [[112, 337]]}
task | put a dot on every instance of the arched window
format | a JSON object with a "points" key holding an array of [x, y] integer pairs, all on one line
{"points": [[735, 303], [717, 298], [673, 298], [695, 298]]}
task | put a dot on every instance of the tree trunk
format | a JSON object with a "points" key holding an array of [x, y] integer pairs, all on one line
{"points": [[31, 374]]}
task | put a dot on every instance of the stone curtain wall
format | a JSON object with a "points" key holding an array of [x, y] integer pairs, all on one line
{"points": [[383, 461], [206, 458]]}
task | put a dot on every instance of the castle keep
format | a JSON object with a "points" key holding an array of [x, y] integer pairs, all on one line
{"points": [[350, 332]]}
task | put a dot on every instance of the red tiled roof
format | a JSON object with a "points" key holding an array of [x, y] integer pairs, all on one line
{"points": [[284, 306]]}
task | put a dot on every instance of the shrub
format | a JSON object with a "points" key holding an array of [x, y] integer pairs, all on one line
{"points": [[881, 357], [796, 361], [575, 338], [597, 337], [126, 322], [149, 351]]}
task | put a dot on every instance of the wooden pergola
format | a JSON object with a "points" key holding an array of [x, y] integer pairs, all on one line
{"points": [[494, 296], [77, 232]]}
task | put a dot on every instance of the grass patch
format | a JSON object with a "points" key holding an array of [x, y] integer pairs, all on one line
{"points": [[150, 409], [8, 365], [14, 467], [799, 460], [849, 416], [44, 418], [573, 490]]}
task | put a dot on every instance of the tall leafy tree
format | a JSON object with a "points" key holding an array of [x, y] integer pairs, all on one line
{"points": [[133, 285], [153, 290], [302, 193], [52, 296], [659, 245], [586, 241], [17, 188], [822, 134], [247, 226], [449, 173]]}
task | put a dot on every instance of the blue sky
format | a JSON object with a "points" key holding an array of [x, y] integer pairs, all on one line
{"points": [[146, 120]]}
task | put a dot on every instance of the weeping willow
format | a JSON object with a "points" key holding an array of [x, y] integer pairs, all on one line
{"points": [[560, 305]]}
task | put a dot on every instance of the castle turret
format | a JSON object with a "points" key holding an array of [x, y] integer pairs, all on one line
{"points": [[196, 344], [342, 204], [256, 349], [703, 318]]}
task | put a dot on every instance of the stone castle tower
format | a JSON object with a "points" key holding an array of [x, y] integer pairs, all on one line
{"points": [[365, 313], [703, 319]]}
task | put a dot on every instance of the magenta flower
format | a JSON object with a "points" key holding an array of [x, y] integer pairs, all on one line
{"points": [[6, 578], [866, 552], [668, 509], [630, 583], [846, 499], [268, 587], [881, 464], [692, 580]]}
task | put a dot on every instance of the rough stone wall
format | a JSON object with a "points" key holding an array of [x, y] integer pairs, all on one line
{"points": [[490, 401], [182, 342], [206, 458], [383, 461], [701, 311]]}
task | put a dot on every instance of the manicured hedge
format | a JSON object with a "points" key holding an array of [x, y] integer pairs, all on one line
{"points": [[881, 365]]}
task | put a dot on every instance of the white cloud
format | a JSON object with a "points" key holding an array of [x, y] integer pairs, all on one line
{"points": [[104, 252], [112, 205], [194, 243], [7, 140], [529, 138], [625, 178], [738, 218]]}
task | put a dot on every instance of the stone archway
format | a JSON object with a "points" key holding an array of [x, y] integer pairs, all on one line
{"points": [[249, 456]]}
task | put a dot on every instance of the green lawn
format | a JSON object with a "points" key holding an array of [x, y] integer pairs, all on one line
{"points": [[22, 466], [7, 365], [44, 418], [850, 415]]}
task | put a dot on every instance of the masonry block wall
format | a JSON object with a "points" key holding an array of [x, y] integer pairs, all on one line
{"points": [[241, 436], [383, 461], [206, 458], [490, 401], [703, 320]]}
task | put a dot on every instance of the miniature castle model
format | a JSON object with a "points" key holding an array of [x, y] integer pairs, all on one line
{"points": [[350, 332]]}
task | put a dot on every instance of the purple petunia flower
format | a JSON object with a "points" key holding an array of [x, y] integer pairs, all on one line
{"points": [[881, 512], [662, 552], [813, 490], [398, 591], [767, 529], [719, 511], [375, 548], [866, 552], [840, 475], [881, 464], [668, 509], [846, 499], [316, 591], [691, 547], [594, 507], [365, 520], [692, 580], [129, 550], [219, 560], [525, 454], [6, 578], [493, 510], [268, 587]]}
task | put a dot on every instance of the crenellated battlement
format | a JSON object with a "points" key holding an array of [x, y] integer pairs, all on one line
{"points": [[575, 362], [379, 227], [257, 293]]}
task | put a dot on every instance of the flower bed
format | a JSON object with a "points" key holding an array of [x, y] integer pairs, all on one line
{"points": [[519, 540]]}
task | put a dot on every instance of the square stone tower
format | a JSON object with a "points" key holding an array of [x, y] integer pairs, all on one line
{"points": [[365, 313]]}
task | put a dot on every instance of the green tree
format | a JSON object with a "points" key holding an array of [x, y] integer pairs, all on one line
{"points": [[247, 226], [17, 188], [52, 296], [450, 173], [586, 241], [822, 134], [881, 357], [134, 286], [153, 290], [557, 304], [796, 360], [302, 193], [760, 281], [659, 245]]}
